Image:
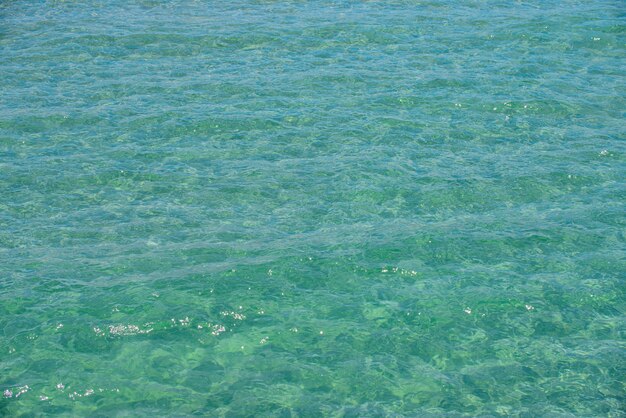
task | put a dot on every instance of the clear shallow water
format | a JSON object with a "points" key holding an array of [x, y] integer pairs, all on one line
{"points": [[312, 208]]}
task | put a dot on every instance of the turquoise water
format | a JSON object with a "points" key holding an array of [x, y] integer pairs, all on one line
{"points": [[327, 208]]}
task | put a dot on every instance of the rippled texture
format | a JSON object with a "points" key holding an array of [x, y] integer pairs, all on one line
{"points": [[349, 208]]}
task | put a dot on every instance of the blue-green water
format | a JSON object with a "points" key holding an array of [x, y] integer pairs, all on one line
{"points": [[328, 208]]}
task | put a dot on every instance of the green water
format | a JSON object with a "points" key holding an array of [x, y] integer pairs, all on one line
{"points": [[325, 208]]}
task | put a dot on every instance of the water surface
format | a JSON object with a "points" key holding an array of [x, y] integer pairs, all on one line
{"points": [[287, 208]]}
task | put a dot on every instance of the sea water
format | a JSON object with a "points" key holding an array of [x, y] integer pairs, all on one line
{"points": [[324, 208]]}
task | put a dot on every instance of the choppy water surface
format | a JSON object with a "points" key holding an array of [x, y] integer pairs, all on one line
{"points": [[355, 208]]}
